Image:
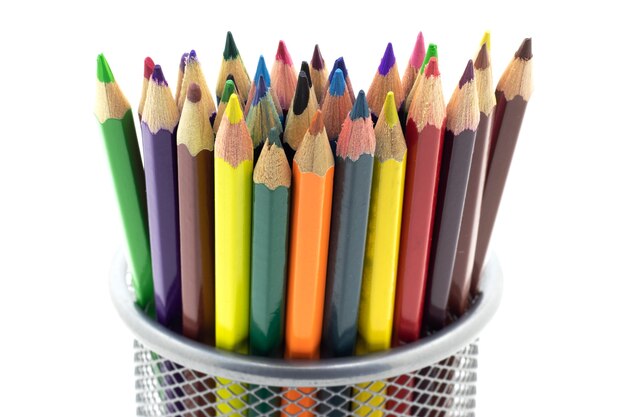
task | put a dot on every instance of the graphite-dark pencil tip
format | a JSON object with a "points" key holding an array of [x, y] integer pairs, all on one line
{"points": [[317, 124], [148, 67], [261, 69], [105, 75], [525, 50], [338, 84], [157, 75], [388, 60], [468, 74], [301, 98], [194, 94], [274, 137], [230, 48], [482, 59], [304, 67], [360, 108], [282, 54], [261, 90], [317, 62], [183, 61]]}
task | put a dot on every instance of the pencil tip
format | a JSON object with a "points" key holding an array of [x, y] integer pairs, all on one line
{"points": [[261, 91], [231, 77], [486, 40], [274, 137], [317, 123], [148, 67], [230, 48], [468, 74], [338, 84], [157, 75], [194, 94], [229, 89], [105, 75], [301, 97], [360, 108], [282, 54], [183, 62], [233, 110], [432, 69], [482, 59], [388, 60], [389, 110], [261, 69], [430, 52], [419, 51], [317, 62], [339, 64], [304, 67], [525, 50], [193, 55]]}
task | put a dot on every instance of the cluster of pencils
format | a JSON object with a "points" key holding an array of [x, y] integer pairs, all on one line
{"points": [[296, 218]]}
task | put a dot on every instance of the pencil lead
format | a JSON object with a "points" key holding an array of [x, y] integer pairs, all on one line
{"points": [[274, 137], [432, 69], [261, 69], [338, 84], [304, 67], [525, 50], [468, 74], [360, 108], [261, 91], [229, 89], [233, 110], [105, 75], [389, 110], [486, 40], [194, 94], [231, 77], [482, 59], [419, 51], [430, 52], [230, 48], [317, 123], [157, 75], [339, 64], [282, 54], [148, 67], [193, 55], [301, 98], [317, 62], [183, 62], [388, 60]]}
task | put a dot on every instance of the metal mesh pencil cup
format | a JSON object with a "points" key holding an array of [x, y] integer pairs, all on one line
{"points": [[436, 376]]}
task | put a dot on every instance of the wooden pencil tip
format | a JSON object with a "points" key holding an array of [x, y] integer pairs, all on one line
{"points": [[317, 62], [486, 40], [419, 51], [482, 59], [389, 110], [388, 60], [274, 137], [282, 54], [230, 48], [261, 69], [525, 50], [360, 108], [233, 110], [338, 84], [231, 77], [157, 75], [304, 67], [468, 74], [105, 75], [261, 91], [192, 55], [183, 62], [430, 52], [229, 89], [148, 67], [339, 64], [432, 69], [301, 97], [317, 123], [194, 94]]}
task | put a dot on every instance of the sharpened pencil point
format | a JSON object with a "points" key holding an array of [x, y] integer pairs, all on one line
{"points": [[233, 110], [338, 84], [261, 91], [468, 74], [339, 64], [360, 108], [193, 55], [230, 48], [148, 67], [304, 67], [301, 98], [430, 52], [282, 54], [274, 137], [482, 59], [157, 75], [229, 89], [194, 94], [525, 50], [231, 77], [261, 69], [389, 110], [419, 51], [317, 62], [183, 62], [486, 40], [432, 69], [317, 124], [105, 75], [388, 60]]}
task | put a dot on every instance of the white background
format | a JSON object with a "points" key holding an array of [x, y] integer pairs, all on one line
{"points": [[554, 347]]}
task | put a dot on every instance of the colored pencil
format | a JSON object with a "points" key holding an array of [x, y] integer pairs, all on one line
{"points": [[304, 67], [181, 75], [462, 117], [261, 70], [313, 171], [229, 89], [195, 197], [430, 53], [283, 77], [336, 106], [386, 78], [463, 263], [262, 117], [233, 209], [301, 112], [193, 74], [120, 139], [424, 137], [158, 129], [339, 64], [148, 67], [233, 64], [319, 74], [512, 94], [414, 65]]}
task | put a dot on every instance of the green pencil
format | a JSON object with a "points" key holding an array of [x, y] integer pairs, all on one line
{"points": [[120, 138]]}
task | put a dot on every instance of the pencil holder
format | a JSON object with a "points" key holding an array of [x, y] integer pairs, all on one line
{"points": [[436, 376]]}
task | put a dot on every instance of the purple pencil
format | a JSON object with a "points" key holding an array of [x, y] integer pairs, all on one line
{"points": [[158, 130]]}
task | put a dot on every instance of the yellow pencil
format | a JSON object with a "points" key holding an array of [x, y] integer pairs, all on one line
{"points": [[233, 208], [381, 250]]}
